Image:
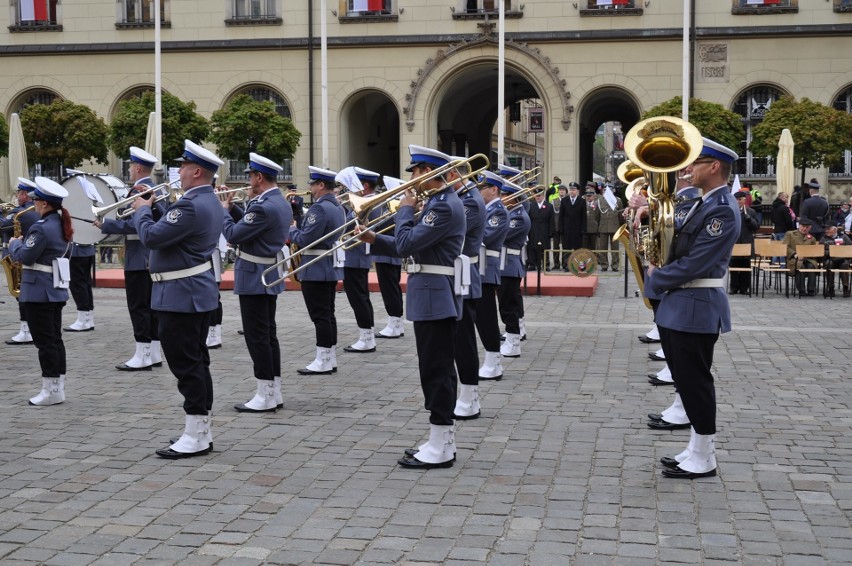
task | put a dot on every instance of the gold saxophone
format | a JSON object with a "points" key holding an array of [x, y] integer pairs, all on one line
{"points": [[14, 269], [659, 147]]}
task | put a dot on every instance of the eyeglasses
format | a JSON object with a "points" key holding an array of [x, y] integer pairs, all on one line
{"points": [[700, 161]]}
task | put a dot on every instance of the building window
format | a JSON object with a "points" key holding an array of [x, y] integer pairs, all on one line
{"points": [[358, 11], [237, 167], [844, 168], [764, 6], [843, 5], [134, 14], [35, 15], [485, 9], [253, 12], [752, 105], [611, 8]]}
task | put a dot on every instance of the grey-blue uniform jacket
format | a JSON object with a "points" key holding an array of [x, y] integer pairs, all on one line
{"points": [[684, 201], [186, 236], [43, 243], [516, 238], [436, 239], [325, 215], [392, 260], [474, 217], [357, 256], [7, 224], [260, 231], [496, 228], [135, 254], [701, 250]]}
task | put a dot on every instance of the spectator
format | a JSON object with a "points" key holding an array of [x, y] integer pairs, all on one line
{"points": [[832, 237], [815, 209], [801, 237], [590, 236], [840, 215], [756, 203], [741, 280], [799, 195], [556, 242], [541, 229], [572, 221]]}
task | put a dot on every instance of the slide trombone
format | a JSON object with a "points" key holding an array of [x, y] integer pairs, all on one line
{"points": [[362, 207], [101, 211]]}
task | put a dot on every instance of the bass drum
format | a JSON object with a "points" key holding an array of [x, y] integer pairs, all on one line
{"points": [[83, 190]]}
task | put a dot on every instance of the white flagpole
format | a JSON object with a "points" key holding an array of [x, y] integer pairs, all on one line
{"points": [[686, 69], [324, 82], [158, 94], [501, 82]]}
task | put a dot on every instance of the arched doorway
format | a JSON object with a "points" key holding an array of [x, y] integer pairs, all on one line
{"points": [[467, 114], [370, 136], [603, 106]]}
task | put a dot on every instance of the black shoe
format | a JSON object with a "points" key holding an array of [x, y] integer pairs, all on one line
{"points": [[603, 268], [811, 293], [846, 294], [241, 332], [466, 417], [170, 454], [69, 329], [243, 409], [157, 365], [655, 357], [176, 438], [645, 340], [665, 425], [125, 367], [655, 381], [410, 452], [351, 349], [306, 371], [669, 462], [614, 269], [216, 347], [16, 343], [655, 416], [413, 463], [677, 473]]}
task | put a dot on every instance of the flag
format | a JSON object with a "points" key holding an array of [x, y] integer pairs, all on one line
{"points": [[612, 2], [375, 5], [359, 5], [762, 2], [736, 187], [33, 10]]}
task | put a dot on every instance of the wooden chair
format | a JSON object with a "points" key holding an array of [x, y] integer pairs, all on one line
{"points": [[766, 250], [742, 251], [816, 254], [841, 252]]}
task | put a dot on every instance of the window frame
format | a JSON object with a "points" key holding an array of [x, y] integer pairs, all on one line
{"points": [[745, 165], [53, 24], [593, 9], [270, 15], [389, 13], [741, 8], [842, 6], [464, 11], [843, 102], [236, 167], [121, 14]]}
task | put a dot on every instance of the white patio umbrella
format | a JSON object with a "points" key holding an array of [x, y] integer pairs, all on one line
{"points": [[785, 173], [151, 134], [18, 166]]}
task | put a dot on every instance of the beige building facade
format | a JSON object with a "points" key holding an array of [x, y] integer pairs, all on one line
{"points": [[425, 72]]}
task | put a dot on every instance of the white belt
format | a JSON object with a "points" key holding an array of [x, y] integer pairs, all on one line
{"points": [[492, 253], [703, 284], [39, 267], [512, 251], [313, 252], [431, 269], [474, 259], [182, 273], [132, 237], [256, 259]]}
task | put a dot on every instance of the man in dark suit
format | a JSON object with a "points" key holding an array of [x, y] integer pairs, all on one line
{"points": [[541, 219], [296, 203], [572, 220]]}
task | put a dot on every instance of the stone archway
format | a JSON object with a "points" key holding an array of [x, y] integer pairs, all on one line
{"points": [[369, 122], [604, 104]]}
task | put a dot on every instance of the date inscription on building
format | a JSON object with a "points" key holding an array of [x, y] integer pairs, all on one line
{"points": [[712, 62]]}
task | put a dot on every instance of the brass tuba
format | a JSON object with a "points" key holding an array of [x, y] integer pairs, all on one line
{"points": [[660, 147], [14, 269]]}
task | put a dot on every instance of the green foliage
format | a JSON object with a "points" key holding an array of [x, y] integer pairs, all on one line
{"points": [[714, 121], [246, 125], [63, 133], [820, 132], [180, 121], [4, 137]]}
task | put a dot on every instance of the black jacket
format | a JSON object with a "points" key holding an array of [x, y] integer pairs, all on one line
{"points": [[781, 219]]}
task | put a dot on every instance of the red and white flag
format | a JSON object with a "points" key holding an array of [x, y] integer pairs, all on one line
{"points": [[612, 2], [366, 5], [762, 2], [33, 10]]}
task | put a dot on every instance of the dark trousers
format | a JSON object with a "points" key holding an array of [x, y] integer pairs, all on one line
{"points": [[184, 341], [261, 334], [358, 293], [388, 276], [535, 259], [810, 278], [486, 318], [218, 313], [319, 300], [45, 321], [467, 355], [435, 354], [21, 311], [509, 295], [81, 282], [740, 280], [689, 356], [836, 264], [137, 289]]}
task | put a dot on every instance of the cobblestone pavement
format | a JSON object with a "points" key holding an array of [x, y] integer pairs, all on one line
{"points": [[560, 469]]}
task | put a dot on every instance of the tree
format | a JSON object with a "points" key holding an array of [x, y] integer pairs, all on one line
{"points": [[4, 137], [180, 121], [63, 134], [714, 121], [247, 125], [820, 133]]}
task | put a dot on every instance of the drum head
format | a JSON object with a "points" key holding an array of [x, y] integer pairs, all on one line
{"points": [[84, 192]]}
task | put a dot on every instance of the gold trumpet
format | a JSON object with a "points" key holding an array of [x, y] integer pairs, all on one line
{"points": [[101, 212], [362, 207]]}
